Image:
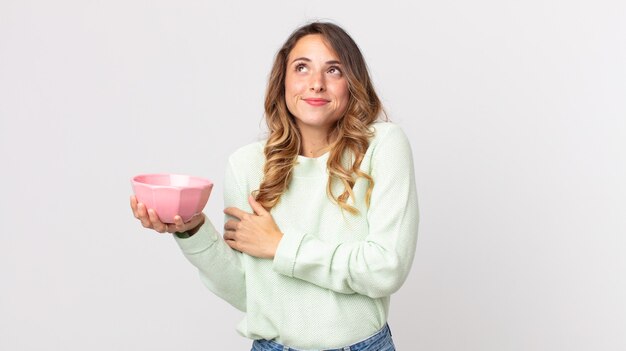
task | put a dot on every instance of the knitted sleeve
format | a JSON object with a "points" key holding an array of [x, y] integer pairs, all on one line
{"points": [[220, 267]]}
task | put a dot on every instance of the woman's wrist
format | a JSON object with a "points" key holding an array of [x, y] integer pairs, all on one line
{"points": [[188, 233], [195, 229]]}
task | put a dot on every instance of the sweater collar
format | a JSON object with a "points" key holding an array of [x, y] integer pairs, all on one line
{"points": [[311, 166]]}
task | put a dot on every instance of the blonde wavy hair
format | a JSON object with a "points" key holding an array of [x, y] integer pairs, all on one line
{"points": [[350, 134]]}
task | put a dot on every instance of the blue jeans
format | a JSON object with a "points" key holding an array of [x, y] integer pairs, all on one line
{"points": [[381, 341]]}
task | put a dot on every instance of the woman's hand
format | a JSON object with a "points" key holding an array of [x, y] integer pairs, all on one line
{"points": [[255, 234], [149, 219]]}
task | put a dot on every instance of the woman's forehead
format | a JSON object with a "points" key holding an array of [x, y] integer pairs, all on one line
{"points": [[313, 47]]}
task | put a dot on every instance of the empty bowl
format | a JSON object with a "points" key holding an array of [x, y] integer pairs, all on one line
{"points": [[172, 194]]}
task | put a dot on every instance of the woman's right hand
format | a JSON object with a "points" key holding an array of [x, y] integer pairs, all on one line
{"points": [[149, 219]]}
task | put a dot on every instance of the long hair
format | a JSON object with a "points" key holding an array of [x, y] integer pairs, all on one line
{"points": [[351, 132]]}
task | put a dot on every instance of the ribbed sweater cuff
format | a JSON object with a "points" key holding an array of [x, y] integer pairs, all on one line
{"points": [[200, 241], [286, 253]]}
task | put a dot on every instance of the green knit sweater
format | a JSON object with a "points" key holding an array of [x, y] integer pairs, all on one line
{"points": [[329, 284]]}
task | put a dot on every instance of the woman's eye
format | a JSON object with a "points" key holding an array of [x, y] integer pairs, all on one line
{"points": [[334, 70], [300, 68]]}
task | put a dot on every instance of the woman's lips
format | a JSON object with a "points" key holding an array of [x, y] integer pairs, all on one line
{"points": [[316, 102]]}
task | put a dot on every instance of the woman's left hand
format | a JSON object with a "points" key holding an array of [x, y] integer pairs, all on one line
{"points": [[255, 234]]}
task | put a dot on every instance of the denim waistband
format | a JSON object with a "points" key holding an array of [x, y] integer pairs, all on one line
{"points": [[379, 338]]}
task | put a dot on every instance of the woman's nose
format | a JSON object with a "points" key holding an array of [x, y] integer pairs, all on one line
{"points": [[317, 83]]}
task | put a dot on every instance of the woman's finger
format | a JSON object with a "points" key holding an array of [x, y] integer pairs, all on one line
{"points": [[143, 215], [133, 205], [156, 222], [179, 224], [257, 207], [229, 235], [235, 212], [231, 224]]}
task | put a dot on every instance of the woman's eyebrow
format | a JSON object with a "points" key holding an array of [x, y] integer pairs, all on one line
{"points": [[331, 62], [301, 59]]}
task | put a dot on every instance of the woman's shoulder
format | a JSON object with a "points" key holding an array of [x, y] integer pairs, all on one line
{"points": [[384, 131], [389, 140], [248, 153]]}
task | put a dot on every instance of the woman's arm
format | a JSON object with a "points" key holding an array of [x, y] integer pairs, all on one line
{"points": [[220, 267], [378, 265]]}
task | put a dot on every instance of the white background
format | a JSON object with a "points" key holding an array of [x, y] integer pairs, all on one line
{"points": [[515, 110]]}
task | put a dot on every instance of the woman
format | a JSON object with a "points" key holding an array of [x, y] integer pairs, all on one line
{"points": [[322, 217]]}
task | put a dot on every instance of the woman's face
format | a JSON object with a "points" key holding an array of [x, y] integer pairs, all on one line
{"points": [[316, 90]]}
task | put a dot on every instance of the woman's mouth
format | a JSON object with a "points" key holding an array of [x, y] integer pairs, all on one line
{"points": [[316, 102]]}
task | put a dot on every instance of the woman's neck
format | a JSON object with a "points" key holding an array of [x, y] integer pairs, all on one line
{"points": [[314, 150], [315, 142]]}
